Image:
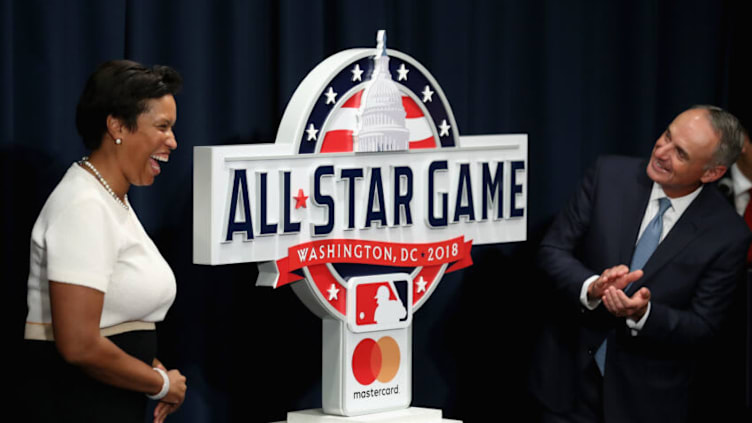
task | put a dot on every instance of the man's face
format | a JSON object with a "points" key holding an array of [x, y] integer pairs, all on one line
{"points": [[680, 158]]}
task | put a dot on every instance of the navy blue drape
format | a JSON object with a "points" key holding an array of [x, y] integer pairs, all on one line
{"points": [[582, 78]]}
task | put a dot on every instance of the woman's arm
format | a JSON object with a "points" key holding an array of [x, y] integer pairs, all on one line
{"points": [[76, 313], [163, 409]]}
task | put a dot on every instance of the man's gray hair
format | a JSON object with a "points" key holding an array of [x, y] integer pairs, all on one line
{"points": [[730, 132]]}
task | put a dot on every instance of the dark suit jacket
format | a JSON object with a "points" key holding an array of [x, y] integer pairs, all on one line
{"points": [[730, 398], [691, 276]]}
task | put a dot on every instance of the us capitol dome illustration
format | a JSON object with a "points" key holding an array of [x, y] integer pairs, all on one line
{"points": [[381, 118]]}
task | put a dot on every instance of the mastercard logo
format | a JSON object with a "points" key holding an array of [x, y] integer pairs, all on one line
{"points": [[376, 360]]}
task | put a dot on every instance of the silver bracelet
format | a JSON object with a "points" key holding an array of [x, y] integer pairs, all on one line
{"points": [[165, 386]]}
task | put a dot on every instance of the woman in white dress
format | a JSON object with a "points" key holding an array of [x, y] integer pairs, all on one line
{"points": [[97, 283]]}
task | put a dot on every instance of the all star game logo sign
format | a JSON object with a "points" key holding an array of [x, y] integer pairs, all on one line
{"points": [[368, 196]]}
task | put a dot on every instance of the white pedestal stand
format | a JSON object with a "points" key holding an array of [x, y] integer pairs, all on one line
{"points": [[409, 415]]}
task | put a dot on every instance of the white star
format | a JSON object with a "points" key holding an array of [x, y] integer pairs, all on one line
{"points": [[421, 284], [333, 291], [427, 94], [356, 71], [331, 96], [402, 71], [311, 131], [444, 127]]}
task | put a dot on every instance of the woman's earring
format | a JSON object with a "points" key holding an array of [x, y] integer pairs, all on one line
{"points": [[118, 141]]}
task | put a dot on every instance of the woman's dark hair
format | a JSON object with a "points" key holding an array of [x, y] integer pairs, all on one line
{"points": [[121, 88]]}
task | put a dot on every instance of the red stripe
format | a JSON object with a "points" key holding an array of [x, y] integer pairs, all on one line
{"points": [[429, 142], [285, 276], [412, 109], [337, 141], [354, 101]]}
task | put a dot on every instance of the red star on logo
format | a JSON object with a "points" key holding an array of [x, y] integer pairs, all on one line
{"points": [[300, 200]]}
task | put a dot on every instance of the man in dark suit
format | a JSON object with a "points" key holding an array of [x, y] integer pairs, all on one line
{"points": [[643, 261]]}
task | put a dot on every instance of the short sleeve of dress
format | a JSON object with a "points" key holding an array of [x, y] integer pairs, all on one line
{"points": [[81, 245]]}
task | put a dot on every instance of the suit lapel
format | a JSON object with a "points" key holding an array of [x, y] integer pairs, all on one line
{"points": [[633, 210], [684, 231]]}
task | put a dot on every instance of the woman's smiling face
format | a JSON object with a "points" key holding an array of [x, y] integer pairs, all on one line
{"points": [[150, 142]]}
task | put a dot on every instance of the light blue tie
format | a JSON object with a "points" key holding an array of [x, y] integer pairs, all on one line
{"points": [[645, 246]]}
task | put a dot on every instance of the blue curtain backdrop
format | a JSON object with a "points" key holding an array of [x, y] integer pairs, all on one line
{"points": [[582, 78]]}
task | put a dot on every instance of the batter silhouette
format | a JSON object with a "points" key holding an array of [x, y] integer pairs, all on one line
{"points": [[388, 311]]}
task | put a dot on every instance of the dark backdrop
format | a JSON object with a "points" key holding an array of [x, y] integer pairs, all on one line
{"points": [[582, 78]]}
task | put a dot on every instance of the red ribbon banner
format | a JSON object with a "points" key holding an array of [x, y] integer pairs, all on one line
{"points": [[455, 250]]}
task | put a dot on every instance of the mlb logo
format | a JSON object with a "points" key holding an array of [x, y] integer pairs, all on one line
{"points": [[379, 302]]}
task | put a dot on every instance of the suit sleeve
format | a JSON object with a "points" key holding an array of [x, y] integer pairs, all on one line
{"points": [[710, 301], [556, 255]]}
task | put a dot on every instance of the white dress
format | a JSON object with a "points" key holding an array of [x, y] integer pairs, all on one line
{"points": [[85, 237]]}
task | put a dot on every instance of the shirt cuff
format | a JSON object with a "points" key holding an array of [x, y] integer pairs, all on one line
{"points": [[589, 304], [636, 326]]}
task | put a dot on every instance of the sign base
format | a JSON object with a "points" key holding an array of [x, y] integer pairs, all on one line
{"points": [[408, 415]]}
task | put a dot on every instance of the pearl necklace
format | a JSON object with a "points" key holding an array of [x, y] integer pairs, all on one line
{"points": [[85, 161]]}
